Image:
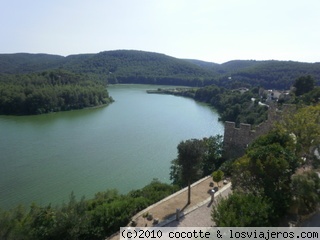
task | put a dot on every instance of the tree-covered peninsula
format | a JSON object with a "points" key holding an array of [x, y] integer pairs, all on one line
{"points": [[49, 91]]}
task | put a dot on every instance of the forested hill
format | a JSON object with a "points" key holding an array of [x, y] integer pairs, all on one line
{"points": [[52, 91], [268, 74], [131, 66], [27, 63], [121, 66]]}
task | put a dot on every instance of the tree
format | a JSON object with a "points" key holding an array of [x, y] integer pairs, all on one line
{"points": [[43, 222], [304, 124], [266, 170], [242, 210], [175, 173], [305, 188], [211, 159], [303, 85], [217, 176], [190, 153], [37, 93], [14, 224], [213, 154], [85, 219], [311, 97]]}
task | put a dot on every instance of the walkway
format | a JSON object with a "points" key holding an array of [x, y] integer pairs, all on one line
{"points": [[197, 213], [201, 216]]}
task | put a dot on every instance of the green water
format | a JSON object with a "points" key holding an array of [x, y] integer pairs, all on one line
{"points": [[124, 145]]}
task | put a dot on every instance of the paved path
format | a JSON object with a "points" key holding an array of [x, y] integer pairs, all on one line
{"points": [[198, 213], [201, 216], [166, 208]]}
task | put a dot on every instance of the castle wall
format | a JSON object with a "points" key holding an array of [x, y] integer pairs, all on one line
{"points": [[236, 140]]}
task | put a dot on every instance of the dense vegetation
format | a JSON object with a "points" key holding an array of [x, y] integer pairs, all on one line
{"points": [[266, 169], [129, 66], [248, 105], [28, 63], [207, 157], [84, 219], [52, 91], [232, 105], [113, 66], [266, 182], [267, 177], [305, 91], [267, 74], [253, 209], [141, 67]]}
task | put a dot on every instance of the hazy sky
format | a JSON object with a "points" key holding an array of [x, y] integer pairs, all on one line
{"points": [[210, 30]]}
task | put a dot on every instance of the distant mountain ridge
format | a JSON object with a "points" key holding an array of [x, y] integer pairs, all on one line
{"points": [[27, 62], [132, 66]]}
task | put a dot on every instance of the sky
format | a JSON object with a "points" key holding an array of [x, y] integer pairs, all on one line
{"points": [[209, 30]]}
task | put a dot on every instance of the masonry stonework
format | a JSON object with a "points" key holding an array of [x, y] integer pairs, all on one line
{"points": [[236, 139]]}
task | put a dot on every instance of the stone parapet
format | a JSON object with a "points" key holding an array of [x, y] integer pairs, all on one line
{"points": [[236, 139]]}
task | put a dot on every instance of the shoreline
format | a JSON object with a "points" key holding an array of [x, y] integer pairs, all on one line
{"points": [[54, 112]]}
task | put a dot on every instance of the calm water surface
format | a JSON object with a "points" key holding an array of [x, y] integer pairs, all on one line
{"points": [[124, 145]]}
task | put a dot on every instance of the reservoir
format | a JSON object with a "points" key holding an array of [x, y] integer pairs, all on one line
{"points": [[124, 146]]}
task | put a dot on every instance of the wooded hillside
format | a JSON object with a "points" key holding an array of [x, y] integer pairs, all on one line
{"points": [[52, 91], [131, 66]]}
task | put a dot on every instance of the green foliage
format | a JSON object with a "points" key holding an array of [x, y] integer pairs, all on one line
{"points": [[217, 176], [310, 98], [175, 173], [27, 63], [266, 170], [124, 66], [276, 136], [304, 124], [120, 66], [232, 105], [242, 210], [49, 92], [129, 66], [226, 166], [209, 159], [267, 74], [303, 85], [154, 191], [107, 218], [85, 219], [14, 224], [190, 153], [212, 158], [306, 196]]}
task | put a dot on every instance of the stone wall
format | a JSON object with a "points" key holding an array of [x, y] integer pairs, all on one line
{"points": [[236, 139]]}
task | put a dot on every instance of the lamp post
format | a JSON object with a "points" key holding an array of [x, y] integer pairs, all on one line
{"points": [[212, 192]]}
